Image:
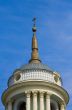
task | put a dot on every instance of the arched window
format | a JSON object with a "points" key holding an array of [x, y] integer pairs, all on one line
{"points": [[22, 106]]}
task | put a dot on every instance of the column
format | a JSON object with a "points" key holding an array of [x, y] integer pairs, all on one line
{"points": [[9, 105], [47, 101], [41, 101], [62, 107], [6, 107], [34, 100], [28, 101]]}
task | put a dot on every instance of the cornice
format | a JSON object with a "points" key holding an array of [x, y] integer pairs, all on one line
{"points": [[52, 86]]}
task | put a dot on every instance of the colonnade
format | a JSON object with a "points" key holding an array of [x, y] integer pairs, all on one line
{"points": [[35, 105]]}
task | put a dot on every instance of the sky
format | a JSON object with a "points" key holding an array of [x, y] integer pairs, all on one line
{"points": [[54, 34]]}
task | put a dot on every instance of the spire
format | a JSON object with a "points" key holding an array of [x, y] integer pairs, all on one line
{"points": [[34, 55]]}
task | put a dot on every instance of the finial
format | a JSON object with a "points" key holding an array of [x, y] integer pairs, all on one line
{"points": [[34, 20], [34, 25], [34, 56]]}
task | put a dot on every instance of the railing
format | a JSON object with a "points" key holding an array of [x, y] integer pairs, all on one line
{"points": [[43, 76]]}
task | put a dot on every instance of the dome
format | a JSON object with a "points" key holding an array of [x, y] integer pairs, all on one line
{"points": [[35, 66], [34, 72]]}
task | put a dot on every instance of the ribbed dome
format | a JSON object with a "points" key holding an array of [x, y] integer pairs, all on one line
{"points": [[35, 66]]}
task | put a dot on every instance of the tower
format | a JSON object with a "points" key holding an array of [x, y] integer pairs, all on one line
{"points": [[35, 86]]}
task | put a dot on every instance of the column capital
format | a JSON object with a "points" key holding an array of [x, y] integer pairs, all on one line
{"points": [[34, 93], [63, 103], [63, 106], [28, 93], [48, 95], [42, 93], [9, 101]]}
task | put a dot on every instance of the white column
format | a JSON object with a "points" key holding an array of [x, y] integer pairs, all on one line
{"points": [[47, 102], [62, 107], [34, 100], [41, 101], [28, 101], [9, 105]]}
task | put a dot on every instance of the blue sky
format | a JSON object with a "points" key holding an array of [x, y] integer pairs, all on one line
{"points": [[54, 34]]}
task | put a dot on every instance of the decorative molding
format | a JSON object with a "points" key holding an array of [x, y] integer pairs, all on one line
{"points": [[35, 92], [41, 94]]}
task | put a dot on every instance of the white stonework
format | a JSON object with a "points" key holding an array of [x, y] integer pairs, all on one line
{"points": [[28, 101], [34, 75], [33, 88], [35, 100], [48, 101], [41, 101]]}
